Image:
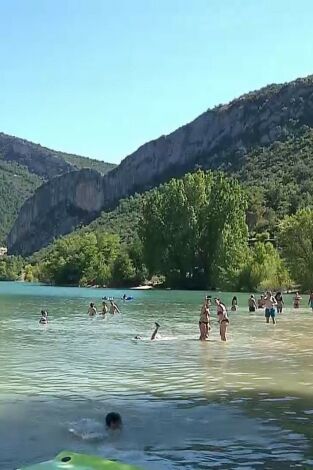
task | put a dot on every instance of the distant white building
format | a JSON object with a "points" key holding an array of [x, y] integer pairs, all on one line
{"points": [[3, 250]]}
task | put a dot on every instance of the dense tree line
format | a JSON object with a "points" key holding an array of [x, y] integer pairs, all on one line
{"points": [[191, 232]]}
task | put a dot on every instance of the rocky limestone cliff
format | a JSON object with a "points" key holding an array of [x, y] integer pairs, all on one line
{"points": [[56, 208], [219, 138]]}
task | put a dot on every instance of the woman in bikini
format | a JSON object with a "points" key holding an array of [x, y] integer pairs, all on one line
{"points": [[222, 318], [296, 300], [204, 320]]}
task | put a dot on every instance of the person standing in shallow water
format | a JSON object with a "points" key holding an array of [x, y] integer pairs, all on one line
{"points": [[280, 302], [105, 309], [234, 304], [204, 320], [252, 304], [222, 318], [297, 299], [270, 304], [311, 300], [92, 311], [113, 308]]}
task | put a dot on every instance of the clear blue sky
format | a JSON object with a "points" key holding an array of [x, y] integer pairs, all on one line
{"points": [[101, 77]]}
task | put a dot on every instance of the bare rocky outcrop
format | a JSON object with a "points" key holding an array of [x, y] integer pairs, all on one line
{"points": [[219, 138]]}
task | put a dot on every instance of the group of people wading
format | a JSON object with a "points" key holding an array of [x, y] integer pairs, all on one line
{"points": [[205, 318], [272, 303]]}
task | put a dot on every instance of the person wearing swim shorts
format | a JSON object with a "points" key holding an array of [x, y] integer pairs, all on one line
{"points": [[280, 302], [270, 304], [204, 320], [222, 318], [252, 304]]}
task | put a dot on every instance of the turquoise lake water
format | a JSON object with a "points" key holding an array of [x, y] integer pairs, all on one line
{"points": [[246, 404]]}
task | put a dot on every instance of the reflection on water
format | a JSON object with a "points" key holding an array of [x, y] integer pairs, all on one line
{"points": [[185, 404]]}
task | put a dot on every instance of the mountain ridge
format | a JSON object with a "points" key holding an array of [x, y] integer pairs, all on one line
{"points": [[219, 138], [24, 166]]}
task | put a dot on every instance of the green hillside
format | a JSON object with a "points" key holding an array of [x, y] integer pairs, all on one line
{"points": [[24, 166], [16, 185]]}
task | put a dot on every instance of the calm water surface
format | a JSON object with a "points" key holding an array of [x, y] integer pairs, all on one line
{"points": [[247, 404]]}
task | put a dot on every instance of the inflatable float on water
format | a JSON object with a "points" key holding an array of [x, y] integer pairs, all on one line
{"points": [[70, 460]]}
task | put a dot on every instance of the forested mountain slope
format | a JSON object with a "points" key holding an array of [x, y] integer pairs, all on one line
{"points": [[24, 166], [263, 137]]}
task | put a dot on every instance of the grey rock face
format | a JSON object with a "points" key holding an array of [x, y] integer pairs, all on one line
{"points": [[213, 140], [39, 160]]}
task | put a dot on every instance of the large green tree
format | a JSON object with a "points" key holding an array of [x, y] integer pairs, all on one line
{"points": [[193, 230], [296, 240]]}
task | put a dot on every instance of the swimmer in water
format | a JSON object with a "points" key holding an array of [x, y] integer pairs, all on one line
{"points": [[92, 311], [44, 317], [222, 318], [105, 309], [234, 304], [113, 308], [154, 334], [113, 421], [204, 321], [270, 304]]}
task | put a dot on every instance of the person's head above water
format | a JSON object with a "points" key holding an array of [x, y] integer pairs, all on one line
{"points": [[44, 313], [113, 421], [91, 305]]}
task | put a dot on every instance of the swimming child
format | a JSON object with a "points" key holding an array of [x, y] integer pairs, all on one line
{"points": [[270, 304], [280, 302], [113, 421], [296, 300], [44, 317], [252, 304], [92, 311], [234, 304], [204, 320], [113, 308], [222, 318], [311, 299]]}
